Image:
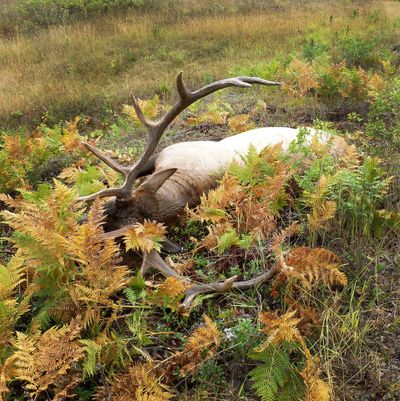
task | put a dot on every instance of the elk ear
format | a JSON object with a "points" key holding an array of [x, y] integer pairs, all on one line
{"points": [[156, 180]]}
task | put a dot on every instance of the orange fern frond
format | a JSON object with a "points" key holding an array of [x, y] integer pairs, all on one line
{"points": [[240, 123], [316, 388], [71, 138], [214, 205], [48, 360], [279, 328], [139, 383], [200, 346], [101, 273], [58, 217], [314, 265], [145, 237], [255, 217], [277, 243], [321, 214], [172, 287], [347, 153]]}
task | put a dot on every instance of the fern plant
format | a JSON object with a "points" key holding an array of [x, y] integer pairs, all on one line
{"points": [[28, 158], [289, 371], [276, 378], [359, 195]]}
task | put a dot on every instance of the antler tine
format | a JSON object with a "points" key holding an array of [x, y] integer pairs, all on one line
{"points": [[105, 193], [139, 113], [107, 160], [186, 98], [153, 260], [156, 129], [183, 91]]}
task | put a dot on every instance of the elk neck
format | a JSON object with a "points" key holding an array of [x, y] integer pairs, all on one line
{"points": [[184, 188]]}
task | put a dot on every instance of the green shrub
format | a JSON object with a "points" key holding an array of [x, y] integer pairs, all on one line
{"points": [[383, 122], [313, 49]]}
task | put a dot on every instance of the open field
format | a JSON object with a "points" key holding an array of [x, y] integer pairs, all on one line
{"points": [[77, 319], [91, 66]]}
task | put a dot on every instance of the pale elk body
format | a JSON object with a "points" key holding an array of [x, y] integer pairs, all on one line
{"points": [[179, 175], [200, 164]]}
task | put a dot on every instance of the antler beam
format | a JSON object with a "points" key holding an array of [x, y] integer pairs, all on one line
{"points": [[156, 129], [153, 260], [225, 286]]}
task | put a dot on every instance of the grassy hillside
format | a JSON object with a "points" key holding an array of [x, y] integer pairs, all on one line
{"points": [[77, 319], [90, 66]]}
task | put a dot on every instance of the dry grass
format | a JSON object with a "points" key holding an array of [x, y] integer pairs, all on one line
{"points": [[94, 64]]}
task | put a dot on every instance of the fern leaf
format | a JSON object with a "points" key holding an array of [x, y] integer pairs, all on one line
{"points": [[139, 383], [145, 237], [276, 378], [48, 359]]}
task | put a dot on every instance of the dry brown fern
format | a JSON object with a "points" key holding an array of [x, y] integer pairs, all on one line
{"points": [[58, 217], [240, 123], [322, 210], [139, 383], [321, 214], [302, 78], [71, 138], [48, 360], [279, 328], [285, 328], [310, 266], [172, 287], [316, 388], [216, 202], [255, 217], [71, 263], [199, 347], [100, 274], [145, 237], [277, 244], [215, 231]]}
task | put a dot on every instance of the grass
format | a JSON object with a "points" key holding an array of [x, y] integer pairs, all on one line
{"points": [[91, 66]]}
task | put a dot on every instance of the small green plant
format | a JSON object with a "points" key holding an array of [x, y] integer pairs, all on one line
{"points": [[383, 123], [357, 50], [276, 378], [313, 49]]}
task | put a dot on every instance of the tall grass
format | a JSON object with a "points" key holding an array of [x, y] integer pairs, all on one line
{"points": [[92, 65]]}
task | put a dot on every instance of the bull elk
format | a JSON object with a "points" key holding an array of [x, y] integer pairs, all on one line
{"points": [[179, 175]]}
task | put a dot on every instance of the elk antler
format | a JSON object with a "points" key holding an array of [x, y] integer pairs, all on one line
{"points": [[156, 129], [153, 260]]}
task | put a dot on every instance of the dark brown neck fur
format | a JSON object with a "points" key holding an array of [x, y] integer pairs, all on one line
{"points": [[164, 206]]}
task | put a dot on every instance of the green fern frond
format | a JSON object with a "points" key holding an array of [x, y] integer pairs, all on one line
{"points": [[276, 379], [93, 351]]}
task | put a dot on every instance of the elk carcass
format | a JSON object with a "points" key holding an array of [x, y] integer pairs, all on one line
{"points": [[180, 174]]}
